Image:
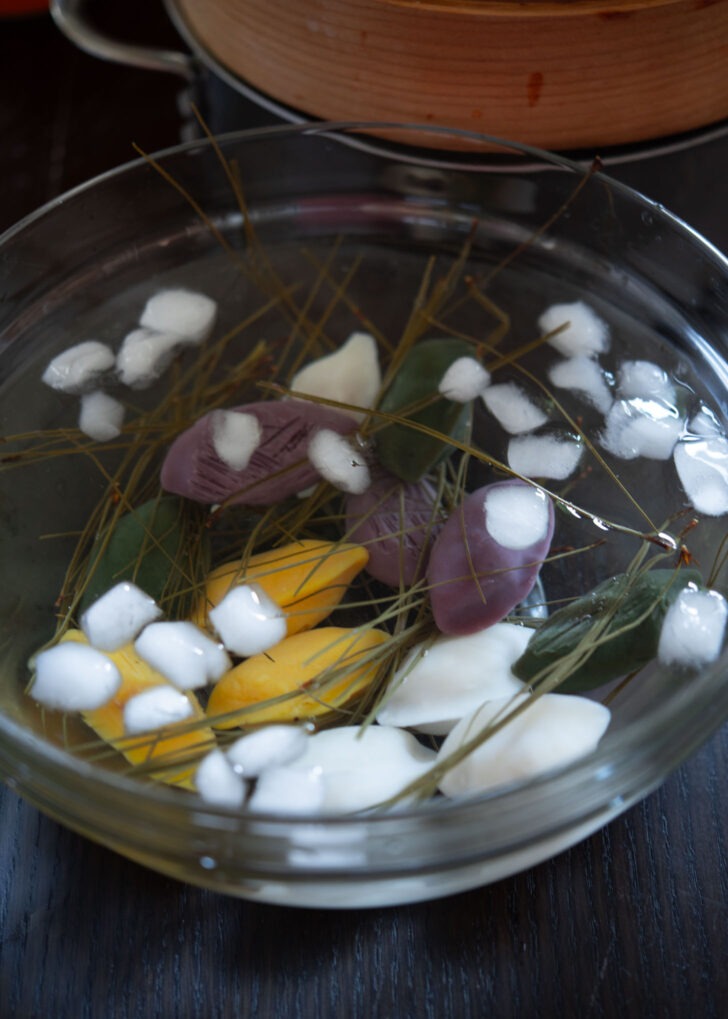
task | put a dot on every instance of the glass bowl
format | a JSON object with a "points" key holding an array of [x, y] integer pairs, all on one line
{"points": [[326, 208]]}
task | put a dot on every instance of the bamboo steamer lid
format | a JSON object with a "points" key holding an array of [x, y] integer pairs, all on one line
{"points": [[558, 74]]}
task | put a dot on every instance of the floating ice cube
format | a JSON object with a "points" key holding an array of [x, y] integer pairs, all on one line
{"points": [[101, 416], [182, 653], [362, 766], [350, 375], [248, 621], [118, 616], [74, 677], [272, 746], [584, 376], [288, 791], [515, 411], [79, 367], [645, 380], [586, 334], [693, 628], [336, 460], [516, 516], [439, 683], [544, 456], [144, 355], [235, 437], [155, 708], [704, 422], [642, 427], [218, 783], [180, 311], [465, 379], [552, 731], [702, 466]]}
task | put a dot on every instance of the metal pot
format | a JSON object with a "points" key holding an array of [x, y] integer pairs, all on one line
{"points": [[662, 134]]}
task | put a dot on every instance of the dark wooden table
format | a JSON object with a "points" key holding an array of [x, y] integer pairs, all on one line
{"points": [[632, 923]]}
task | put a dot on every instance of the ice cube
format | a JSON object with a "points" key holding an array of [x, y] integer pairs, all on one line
{"points": [[704, 422], [513, 408], [544, 456], [584, 376], [180, 311], [248, 621], [465, 379], [101, 416], [642, 427], [218, 783], [338, 462], [645, 380], [144, 355], [155, 708], [693, 628], [586, 333], [702, 466], [182, 653], [74, 677], [235, 437], [516, 516], [79, 367], [118, 616]]}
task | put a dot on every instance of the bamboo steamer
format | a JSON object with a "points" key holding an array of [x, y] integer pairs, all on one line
{"points": [[558, 74]]}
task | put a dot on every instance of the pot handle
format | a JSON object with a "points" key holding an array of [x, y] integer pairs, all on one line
{"points": [[70, 17]]}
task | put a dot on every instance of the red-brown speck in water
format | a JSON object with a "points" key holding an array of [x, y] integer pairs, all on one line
{"points": [[477, 114], [533, 88]]}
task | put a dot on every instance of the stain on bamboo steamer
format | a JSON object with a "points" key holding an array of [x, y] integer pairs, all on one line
{"points": [[579, 73]]}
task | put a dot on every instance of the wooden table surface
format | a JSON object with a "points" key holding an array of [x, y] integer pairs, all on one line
{"points": [[631, 923]]}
